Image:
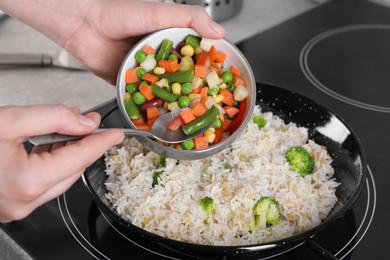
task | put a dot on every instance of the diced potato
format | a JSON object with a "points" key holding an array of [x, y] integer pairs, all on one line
{"points": [[149, 63], [212, 79], [205, 44], [240, 93]]}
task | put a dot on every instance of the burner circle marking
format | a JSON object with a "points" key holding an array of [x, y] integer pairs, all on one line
{"points": [[303, 62]]}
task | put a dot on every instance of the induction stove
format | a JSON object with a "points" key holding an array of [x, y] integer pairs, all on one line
{"points": [[338, 55]]}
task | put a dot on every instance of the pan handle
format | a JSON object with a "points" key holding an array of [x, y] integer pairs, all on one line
{"points": [[320, 250]]}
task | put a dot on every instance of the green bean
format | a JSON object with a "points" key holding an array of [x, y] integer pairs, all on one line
{"points": [[201, 122], [132, 110], [180, 76], [164, 50], [193, 40], [188, 144], [164, 94]]}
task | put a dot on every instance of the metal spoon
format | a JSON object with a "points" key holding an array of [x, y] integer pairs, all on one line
{"points": [[159, 131]]}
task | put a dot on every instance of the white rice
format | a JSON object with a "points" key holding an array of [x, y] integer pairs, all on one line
{"points": [[256, 167]]}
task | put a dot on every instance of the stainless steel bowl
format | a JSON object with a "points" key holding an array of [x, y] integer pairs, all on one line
{"points": [[234, 57]]}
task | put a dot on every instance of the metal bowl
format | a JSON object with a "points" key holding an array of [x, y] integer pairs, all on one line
{"points": [[234, 57]]}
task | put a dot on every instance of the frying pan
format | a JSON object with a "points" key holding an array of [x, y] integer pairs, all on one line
{"points": [[325, 128]]}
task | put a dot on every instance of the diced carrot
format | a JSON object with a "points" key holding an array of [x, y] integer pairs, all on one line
{"points": [[146, 90], [218, 135], [200, 71], [151, 122], [150, 77], [131, 76], [226, 124], [212, 54], [152, 113], [238, 81], [196, 90], [199, 109], [187, 116], [149, 49], [202, 58], [228, 97], [216, 67], [231, 110], [204, 91], [142, 127], [170, 66], [235, 71], [204, 99], [175, 123], [139, 121], [220, 57], [200, 142]]}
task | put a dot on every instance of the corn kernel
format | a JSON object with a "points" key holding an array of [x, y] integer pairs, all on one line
{"points": [[219, 98], [222, 86], [193, 96], [127, 96], [158, 70], [166, 105], [187, 50], [176, 88], [178, 146], [209, 135], [198, 50], [221, 117], [212, 129]]}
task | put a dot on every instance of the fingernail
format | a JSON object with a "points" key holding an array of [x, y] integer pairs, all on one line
{"points": [[87, 121], [218, 28]]}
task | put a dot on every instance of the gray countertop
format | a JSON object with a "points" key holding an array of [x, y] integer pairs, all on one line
{"points": [[25, 86]]}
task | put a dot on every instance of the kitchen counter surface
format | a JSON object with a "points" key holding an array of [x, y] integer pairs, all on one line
{"points": [[25, 86]]}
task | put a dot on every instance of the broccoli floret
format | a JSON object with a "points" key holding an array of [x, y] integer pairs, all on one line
{"points": [[156, 178], [160, 161], [265, 212], [259, 121], [207, 204], [300, 160]]}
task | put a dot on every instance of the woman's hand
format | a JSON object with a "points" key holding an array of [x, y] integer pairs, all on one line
{"points": [[100, 32], [110, 28], [29, 180]]}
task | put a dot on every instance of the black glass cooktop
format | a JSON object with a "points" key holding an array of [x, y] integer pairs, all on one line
{"points": [[337, 54]]}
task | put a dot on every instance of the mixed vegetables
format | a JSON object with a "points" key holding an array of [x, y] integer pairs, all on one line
{"points": [[192, 81]]}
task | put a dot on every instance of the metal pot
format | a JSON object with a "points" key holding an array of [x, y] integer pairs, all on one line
{"points": [[325, 128]]}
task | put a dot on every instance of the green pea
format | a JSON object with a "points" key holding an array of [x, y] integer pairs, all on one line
{"points": [[213, 91], [202, 84], [140, 72], [186, 88], [172, 57], [188, 144], [184, 101], [227, 76], [131, 88], [138, 98], [230, 87], [140, 56], [217, 123]]}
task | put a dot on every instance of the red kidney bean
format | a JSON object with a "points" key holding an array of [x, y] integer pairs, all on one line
{"points": [[156, 102]]}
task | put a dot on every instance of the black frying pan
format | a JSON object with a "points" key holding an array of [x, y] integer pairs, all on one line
{"points": [[325, 128]]}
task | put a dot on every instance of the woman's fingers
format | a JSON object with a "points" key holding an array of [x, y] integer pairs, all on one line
{"points": [[62, 162], [148, 17], [19, 123]]}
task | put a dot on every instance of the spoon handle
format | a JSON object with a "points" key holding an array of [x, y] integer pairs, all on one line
{"points": [[58, 138]]}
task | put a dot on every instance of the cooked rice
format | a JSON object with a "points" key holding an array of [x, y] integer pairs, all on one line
{"points": [[256, 167]]}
